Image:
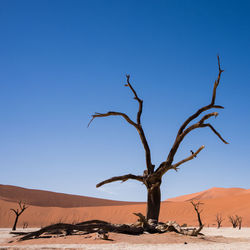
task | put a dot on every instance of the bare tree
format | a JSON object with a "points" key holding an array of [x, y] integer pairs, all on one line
{"points": [[233, 220], [239, 219], [152, 177], [22, 207], [197, 207], [25, 224], [219, 220]]}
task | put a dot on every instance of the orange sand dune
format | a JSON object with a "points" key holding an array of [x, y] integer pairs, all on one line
{"points": [[182, 211], [52, 199], [211, 194]]}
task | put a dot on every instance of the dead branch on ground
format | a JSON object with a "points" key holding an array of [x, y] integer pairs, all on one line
{"points": [[102, 228]]}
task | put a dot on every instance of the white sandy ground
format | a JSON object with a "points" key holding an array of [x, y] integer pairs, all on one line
{"points": [[243, 235]]}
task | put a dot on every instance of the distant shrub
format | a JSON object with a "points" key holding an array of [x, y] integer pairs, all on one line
{"points": [[25, 225]]}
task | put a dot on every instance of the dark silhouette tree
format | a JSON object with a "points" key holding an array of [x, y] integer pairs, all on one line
{"points": [[152, 177], [239, 219], [219, 220], [233, 220], [22, 207], [197, 207]]}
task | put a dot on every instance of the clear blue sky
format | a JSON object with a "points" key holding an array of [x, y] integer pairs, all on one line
{"points": [[61, 61]]}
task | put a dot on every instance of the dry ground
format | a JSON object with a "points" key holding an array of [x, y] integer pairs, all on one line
{"points": [[225, 238]]}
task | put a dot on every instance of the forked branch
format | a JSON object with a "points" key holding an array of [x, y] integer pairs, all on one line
{"points": [[163, 168], [184, 130], [191, 157], [22, 207], [201, 124], [210, 106], [121, 178], [137, 124]]}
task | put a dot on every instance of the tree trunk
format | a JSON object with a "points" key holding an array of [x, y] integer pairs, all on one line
{"points": [[154, 202], [14, 226], [199, 219]]}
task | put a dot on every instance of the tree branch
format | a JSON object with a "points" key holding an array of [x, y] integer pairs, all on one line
{"points": [[137, 125], [121, 178], [205, 108], [201, 124], [197, 125], [216, 132], [167, 165], [191, 157], [150, 167], [163, 168], [22, 207], [217, 81], [182, 131], [136, 98], [16, 212], [113, 113]]}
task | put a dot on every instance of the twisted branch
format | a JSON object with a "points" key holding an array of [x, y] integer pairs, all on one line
{"points": [[201, 124], [136, 98], [122, 178], [113, 113]]}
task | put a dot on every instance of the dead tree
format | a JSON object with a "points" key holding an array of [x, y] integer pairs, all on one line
{"points": [[239, 219], [219, 220], [152, 176], [103, 228], [233, 220], [197, 207], [22, 207]]}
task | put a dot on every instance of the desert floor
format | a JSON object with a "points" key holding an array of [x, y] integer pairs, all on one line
{"points": [[224, 238]]}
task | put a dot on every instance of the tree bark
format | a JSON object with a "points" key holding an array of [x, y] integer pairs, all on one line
{"points": [[15, 223], [154, 202]]}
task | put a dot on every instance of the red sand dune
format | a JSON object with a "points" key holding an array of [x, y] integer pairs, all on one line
{"points": [[51, 199], [211, 194], [216, 200]]}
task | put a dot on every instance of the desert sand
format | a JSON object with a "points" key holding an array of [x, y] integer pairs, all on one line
{"points": [[73, 208], [224, 238], [216, 200]]}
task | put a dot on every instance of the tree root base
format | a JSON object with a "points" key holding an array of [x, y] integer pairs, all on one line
{"points": [[102, 228]]}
